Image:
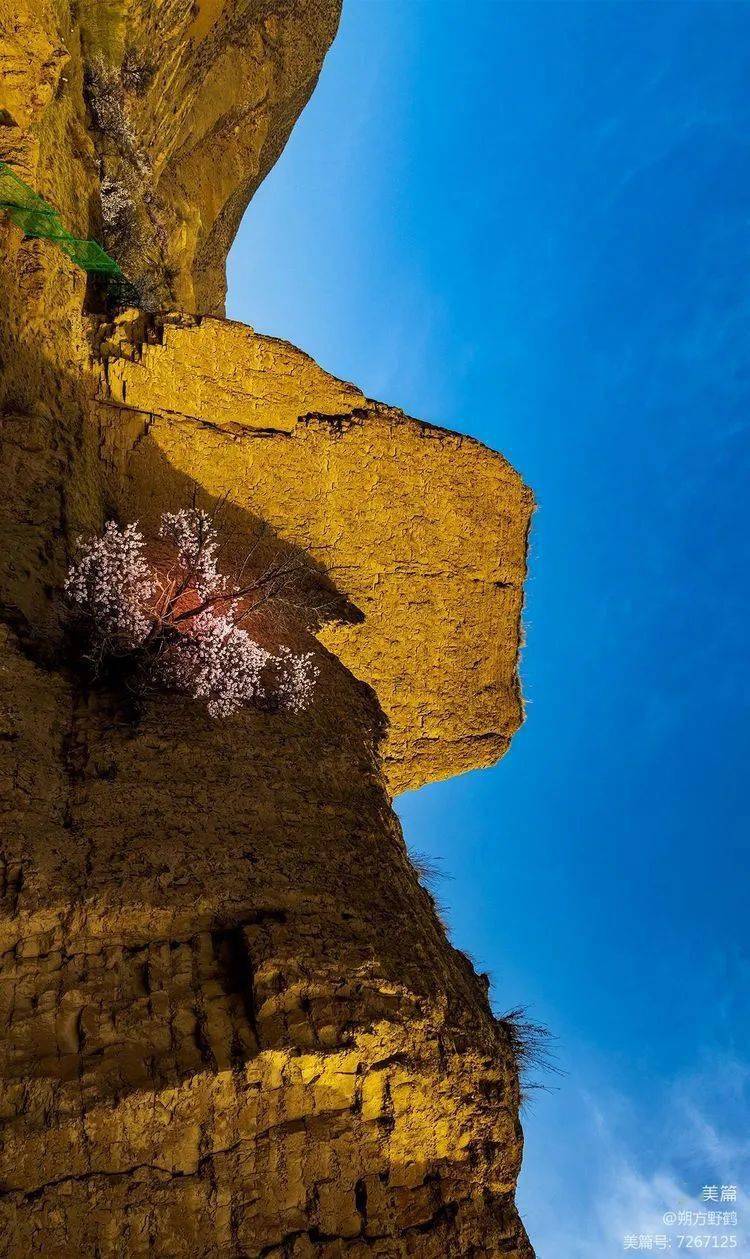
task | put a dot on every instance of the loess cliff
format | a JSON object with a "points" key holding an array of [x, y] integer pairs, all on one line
{"points": [[232, 1023]]}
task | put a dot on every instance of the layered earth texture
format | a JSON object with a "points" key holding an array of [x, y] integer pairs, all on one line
{"points": [[232, 1023]]}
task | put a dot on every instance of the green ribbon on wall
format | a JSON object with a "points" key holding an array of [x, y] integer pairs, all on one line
{"points": [[39, 220]]}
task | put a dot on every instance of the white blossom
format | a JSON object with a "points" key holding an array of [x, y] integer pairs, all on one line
{"points": [[296, 680], [216, 660], [112, 584], [117, 207], [192, 533], [203, 653]]}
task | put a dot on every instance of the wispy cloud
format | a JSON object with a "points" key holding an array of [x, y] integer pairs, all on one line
{"points": [[616, 1169]]}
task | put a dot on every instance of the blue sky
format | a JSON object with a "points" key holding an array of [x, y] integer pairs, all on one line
{"points": [[529, 222]]}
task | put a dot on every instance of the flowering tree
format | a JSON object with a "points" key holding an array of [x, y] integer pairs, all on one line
{"points": [[174, 609]]}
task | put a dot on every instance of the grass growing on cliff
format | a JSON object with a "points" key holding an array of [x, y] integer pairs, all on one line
{"points": [[530, 1044], [429, 873]]}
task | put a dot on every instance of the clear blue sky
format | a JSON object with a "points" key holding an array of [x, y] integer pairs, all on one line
{"points": [[530, 222]]}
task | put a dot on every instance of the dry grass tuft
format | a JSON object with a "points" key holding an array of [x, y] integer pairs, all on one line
{"points": [[531, 1046]]}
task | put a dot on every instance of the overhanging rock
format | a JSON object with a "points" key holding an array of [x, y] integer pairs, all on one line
{"points": [[423, 530]]}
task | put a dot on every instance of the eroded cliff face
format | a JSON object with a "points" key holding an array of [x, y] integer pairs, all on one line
{"points": [[232, 1024], [152, 124]]}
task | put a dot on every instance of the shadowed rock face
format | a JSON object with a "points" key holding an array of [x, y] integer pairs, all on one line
{"points": [[190, 104], [232, 1024]]}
